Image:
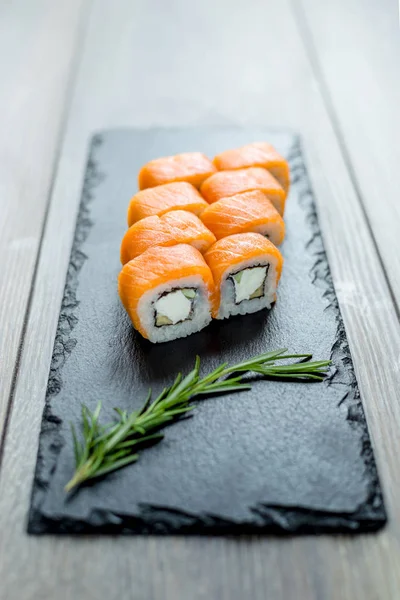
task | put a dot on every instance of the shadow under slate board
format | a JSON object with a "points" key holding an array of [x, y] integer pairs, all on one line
{"points": [[283, 457]]}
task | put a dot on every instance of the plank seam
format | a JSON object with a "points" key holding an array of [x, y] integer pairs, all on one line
{"points": [[311, 52], [85, 11]]}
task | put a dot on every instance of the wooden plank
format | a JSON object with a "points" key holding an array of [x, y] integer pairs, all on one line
{"points": [[355, 48], [183, 63], [37, 44]]}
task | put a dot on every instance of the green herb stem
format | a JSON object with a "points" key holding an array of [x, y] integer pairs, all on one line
{"points": [[106, 448]]}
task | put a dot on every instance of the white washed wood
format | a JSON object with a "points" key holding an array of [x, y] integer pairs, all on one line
{"points": [[356, 48], [148, 63], [37, 43]]}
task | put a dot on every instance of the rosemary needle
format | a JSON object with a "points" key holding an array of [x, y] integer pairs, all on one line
{"points": [[106, 448]]}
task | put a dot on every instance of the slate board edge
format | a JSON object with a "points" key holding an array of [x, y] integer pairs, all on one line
{"points": [[369, 516]]}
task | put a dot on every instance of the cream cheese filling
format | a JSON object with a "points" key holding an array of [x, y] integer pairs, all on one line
{"points": [[249, 283], [174, 307]]}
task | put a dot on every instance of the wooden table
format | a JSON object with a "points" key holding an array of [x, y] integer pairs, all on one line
{"points": [[326, 68]]}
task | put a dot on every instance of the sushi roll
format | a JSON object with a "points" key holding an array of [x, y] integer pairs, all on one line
{"points": [[167, 292], [175, 227], [242, 213], [193, 167], [164, 198], [258, 154], [246, 269], [228, 183]]}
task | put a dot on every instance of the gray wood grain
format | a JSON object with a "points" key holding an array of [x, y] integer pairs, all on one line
{"points": [[37, 44], [355, 48], [148, 63]]}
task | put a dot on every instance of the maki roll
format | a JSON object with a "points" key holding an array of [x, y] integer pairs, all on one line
{"points": [[164, 198], [258, 154], [246, 269], [167, 292], [228, 183], [193, 167], [175, 227], [242, 213]]}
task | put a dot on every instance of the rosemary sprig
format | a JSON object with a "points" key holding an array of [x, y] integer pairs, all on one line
{"points": [[106, 448]]}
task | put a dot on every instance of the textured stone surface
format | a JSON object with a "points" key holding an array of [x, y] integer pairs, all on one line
{"points": [[284, 457]]}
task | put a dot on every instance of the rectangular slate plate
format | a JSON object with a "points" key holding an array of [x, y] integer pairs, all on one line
{"points": [[285, 457]]}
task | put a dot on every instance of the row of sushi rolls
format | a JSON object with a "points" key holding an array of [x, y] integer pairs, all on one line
{"points": [[202, 239]]}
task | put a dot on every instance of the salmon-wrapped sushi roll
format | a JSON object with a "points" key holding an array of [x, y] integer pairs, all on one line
{"points": [[175, 227], [228, 183], [164, 198], [246, 269], [193, 167], [258, 154], [167, 292], [243, 213]]}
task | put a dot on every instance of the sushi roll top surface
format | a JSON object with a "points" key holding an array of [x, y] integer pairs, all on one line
{"points": [[175, 227], [243, 213], [257, 154], [228, 183], [164, 198], [193, 167]]}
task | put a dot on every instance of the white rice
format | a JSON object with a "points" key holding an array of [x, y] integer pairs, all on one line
{"points": [[201, 310]]}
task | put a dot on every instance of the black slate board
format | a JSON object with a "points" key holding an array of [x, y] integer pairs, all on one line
{"points": [[285, 457]]}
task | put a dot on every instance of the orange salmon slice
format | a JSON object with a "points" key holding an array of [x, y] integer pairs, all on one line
{"points": [[193, 167], [243, 213], [164, 198], [228, 183], [175, 227], [257, 154]]}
